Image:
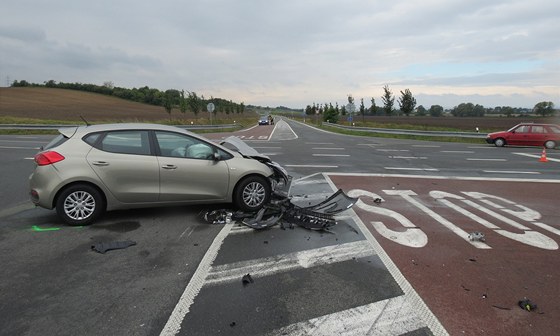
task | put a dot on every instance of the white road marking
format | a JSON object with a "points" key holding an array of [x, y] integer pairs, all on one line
{"points": [[536, 156], [452, 151], [392, 150], [419, 307], [394, 316], [408, 157], [11, 147], [403, 168], [330, 154], [325, 148], [309, 166], [510, 172], [475, 159], [289, 262], [173, 324]]}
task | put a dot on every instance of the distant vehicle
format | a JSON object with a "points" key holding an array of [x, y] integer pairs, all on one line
{"points": [[89, 169], [264, 120], [527, 134]]}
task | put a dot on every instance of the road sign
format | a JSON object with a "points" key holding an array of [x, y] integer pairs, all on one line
{"points": [[210, 107]]}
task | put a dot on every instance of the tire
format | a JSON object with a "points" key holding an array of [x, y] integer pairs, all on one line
{"points": [[499, 142], [550, 144], [252, 193], [80, 204]]}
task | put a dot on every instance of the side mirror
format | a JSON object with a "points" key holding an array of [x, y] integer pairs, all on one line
{"points": [[216, 156]]}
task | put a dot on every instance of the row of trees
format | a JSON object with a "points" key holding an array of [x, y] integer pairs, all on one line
{"points": [[169, 99], [407, 106]]}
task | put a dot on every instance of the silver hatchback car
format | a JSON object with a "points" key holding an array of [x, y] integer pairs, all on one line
{"points": [[87, 170]]}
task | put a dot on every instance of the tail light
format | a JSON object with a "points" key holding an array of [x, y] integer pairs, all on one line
{"points": [[47, 158]]}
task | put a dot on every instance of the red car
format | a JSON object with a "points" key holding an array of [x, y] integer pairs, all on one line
{"points": [[527, 134]]}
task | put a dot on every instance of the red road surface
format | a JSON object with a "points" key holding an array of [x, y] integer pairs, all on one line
{"points": [[472, 290]]}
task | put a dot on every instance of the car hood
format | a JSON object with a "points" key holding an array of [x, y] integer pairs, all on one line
{"points": [[249, 152], [494, 134]]}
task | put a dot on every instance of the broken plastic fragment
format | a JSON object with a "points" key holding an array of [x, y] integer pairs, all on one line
{"points": [[247, 279], [336, 203], [477, 236], [221, 216], [527, 305], [104, 247]]}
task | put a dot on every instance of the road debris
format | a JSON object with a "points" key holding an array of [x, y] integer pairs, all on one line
{"points": [[247, 279], [104, 247], [527, 305], [282, 211], [477, 236]]}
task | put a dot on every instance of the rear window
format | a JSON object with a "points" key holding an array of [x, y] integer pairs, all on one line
{"points": [[555, 129], [59, 140]]}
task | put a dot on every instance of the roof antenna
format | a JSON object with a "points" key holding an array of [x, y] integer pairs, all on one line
{"points": [[87, 124]]}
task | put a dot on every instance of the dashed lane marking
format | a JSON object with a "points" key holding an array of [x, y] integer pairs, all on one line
{"points": [[415, 169], [330, 154]]}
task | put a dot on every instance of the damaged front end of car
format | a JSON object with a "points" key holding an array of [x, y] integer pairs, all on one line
{"points": [[280, 209], [279, 180]]}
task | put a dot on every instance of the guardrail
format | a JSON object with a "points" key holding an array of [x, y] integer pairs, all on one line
{"points": [[55, 127], [410, 132]]}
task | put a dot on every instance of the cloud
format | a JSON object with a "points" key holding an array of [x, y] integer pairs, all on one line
{"points": [[292, 53]]}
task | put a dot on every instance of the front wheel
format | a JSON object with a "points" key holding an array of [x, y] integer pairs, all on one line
{"points": [[499, 142], [252, 193], [550, 144], [80, 204]]}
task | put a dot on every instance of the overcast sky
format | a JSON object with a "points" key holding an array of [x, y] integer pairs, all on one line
{"points": [[293, 52]]}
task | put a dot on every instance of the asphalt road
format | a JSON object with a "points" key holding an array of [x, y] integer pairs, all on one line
{"points": [[184, 276]]}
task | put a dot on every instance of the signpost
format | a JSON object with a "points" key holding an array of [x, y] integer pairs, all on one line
{"points": [[350, 108], [210, 108]]}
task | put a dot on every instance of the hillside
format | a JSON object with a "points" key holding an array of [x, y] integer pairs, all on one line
{"points": [[60, 104]]}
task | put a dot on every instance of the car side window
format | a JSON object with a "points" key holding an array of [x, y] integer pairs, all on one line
{"points": [[126, 142], [522, 129], [555, 129], [538, 129], [181, 145]]}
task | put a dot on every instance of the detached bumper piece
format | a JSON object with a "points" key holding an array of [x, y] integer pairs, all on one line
{"points": [[315, 217]]}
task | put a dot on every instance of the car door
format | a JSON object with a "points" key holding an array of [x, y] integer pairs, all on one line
{"points": [[123, 162], [519, 136], [189, 170], [538, 135]]}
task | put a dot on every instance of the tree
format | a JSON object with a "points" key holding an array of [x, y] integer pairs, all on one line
{"points": [[183, 102], [168, 101], [388, 100], [421, 111], [373, 108], [544, 109], [436, 110], [194, 102], [330, 115], [407, 102], [468, 110], [362, 109]]}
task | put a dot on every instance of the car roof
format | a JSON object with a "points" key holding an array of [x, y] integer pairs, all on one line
{"points": [[536, 124], [82, 130]]}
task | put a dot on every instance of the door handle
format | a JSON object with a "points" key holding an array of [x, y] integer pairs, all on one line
{"points": [[100, 163], [169, 166]]}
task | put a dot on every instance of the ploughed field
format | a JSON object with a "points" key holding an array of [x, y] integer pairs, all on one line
{"points": [[69, 105]]}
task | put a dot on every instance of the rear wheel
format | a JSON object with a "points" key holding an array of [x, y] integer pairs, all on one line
{"points": [[252, 193], [499, 142], [80, 204], [550, 144]]}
